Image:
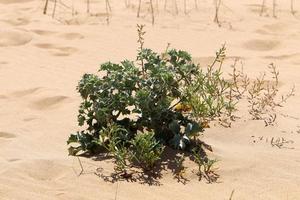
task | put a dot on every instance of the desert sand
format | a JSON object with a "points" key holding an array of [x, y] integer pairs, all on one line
{"points": [[42, 59]]}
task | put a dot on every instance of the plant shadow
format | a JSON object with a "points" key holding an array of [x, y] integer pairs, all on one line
{"points": [[170, 161]]}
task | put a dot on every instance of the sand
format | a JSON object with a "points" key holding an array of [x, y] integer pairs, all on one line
{"points": [[42, 59]]}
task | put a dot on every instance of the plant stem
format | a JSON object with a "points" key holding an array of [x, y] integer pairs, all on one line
{"points": [[274, 8], [292, 7], [54, 8], [139, 8], [217, 7], [262, 8], [196, 4], [152, 11], [88, 6], [46, 6]]}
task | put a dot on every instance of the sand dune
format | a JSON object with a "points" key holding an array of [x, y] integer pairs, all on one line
{"points": [[42, 59]]}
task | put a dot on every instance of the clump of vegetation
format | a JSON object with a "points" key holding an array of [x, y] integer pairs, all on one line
{"points": [[180, 169], [261, 94], [205, 167], [146, 150], [138, 108]]}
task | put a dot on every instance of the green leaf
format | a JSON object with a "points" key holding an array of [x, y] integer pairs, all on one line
{"points": [[192, 129], [74, 150], [179, 142], [72, 139], [174, 127]]}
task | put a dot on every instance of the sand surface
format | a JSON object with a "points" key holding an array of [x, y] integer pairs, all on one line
{"points": [[42, 58]]}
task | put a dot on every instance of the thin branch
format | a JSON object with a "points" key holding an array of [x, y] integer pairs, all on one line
{"points": [[139, 8], [80, 166], [46, 7], [262, 7], [54, 8], [152, 11]]}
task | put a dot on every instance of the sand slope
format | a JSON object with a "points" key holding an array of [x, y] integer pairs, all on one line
{"points": [[43, 58]]}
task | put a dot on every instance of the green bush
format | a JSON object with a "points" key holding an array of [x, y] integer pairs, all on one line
{"points": [[139, 107]]}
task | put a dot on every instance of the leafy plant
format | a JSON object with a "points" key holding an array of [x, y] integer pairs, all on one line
{"points": [[205, 167], [146, 150], [210, 94], [180, 169], [85, 143], [137, 108]]}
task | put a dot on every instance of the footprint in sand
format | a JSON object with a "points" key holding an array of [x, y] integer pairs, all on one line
{"points": [[272, 29], [22, 93], [16, 21], [3, 96], [71, 36], [6, 135], [261, 45], [255, 8], [29, 119], [3, 63], [283, 56], [43, 32], [276, 27], [13, 159], [66, 36], [44, 170], [14, 38], [57, 50], [49, 102]]}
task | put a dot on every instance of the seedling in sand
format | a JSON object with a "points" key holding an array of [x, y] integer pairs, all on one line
{"points": [[54, 8], [88, 6], [274, 8], [151, 10], [263, 6], [205, 167], [217, 8], [180, 169], [262, 97], [46, 7], [292, 8]]}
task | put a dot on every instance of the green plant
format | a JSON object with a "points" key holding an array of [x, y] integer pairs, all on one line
{"points": [[180, 169], [114, 139], [146, 150], [205, 167], [210, 95], [262, 96], [132, 110]]}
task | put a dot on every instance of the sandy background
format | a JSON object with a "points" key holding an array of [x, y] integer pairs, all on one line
{"points": [[42, 59]]}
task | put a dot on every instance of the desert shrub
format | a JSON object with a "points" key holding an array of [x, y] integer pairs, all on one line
{"points": [[210, 94], [262, 95], [137, 108], [205, 166], [146, 150]]}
